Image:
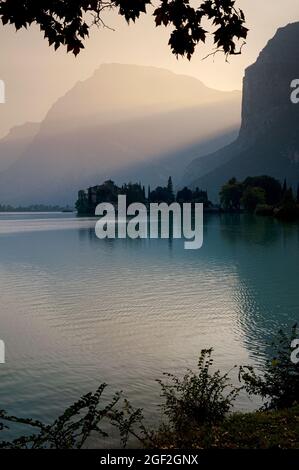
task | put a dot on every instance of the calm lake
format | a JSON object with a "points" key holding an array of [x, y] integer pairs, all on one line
{"points": [[77, 311]]}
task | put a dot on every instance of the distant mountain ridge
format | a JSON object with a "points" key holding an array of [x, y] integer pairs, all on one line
{"points": [[125, 122], [268, 141], [13, 144]]}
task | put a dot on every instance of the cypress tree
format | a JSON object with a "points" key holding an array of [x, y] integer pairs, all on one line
{"points": [[170, 189]]}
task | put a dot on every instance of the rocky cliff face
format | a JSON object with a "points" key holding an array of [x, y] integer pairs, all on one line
{"points": [[266, 85], [268, 141]]}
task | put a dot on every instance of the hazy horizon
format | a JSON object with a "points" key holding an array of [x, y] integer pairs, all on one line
{"points": [[124, 122]]}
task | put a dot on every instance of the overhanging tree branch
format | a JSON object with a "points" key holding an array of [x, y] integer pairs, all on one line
{"points": [[67, 23]]}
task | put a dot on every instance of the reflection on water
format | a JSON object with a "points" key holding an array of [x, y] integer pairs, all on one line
{"points": [[76, 311]]}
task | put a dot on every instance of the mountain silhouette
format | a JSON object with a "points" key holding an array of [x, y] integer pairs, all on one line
{"points": [[126, 122], [13, 144], [268, 141]]}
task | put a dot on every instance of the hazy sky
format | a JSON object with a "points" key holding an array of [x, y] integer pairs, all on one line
{"points": [[36, 76]]}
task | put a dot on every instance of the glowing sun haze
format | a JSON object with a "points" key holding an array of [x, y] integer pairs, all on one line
{"points": [[36, 76]]}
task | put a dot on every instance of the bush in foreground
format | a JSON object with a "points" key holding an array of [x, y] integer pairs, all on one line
{"points": [[278, 385], [196, 411], [199, 398]]}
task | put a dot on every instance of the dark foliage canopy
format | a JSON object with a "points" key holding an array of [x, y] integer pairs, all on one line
{"points": [[67, 22]]}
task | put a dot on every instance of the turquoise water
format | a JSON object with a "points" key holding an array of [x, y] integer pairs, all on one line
{"points": [[77, 311]]}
